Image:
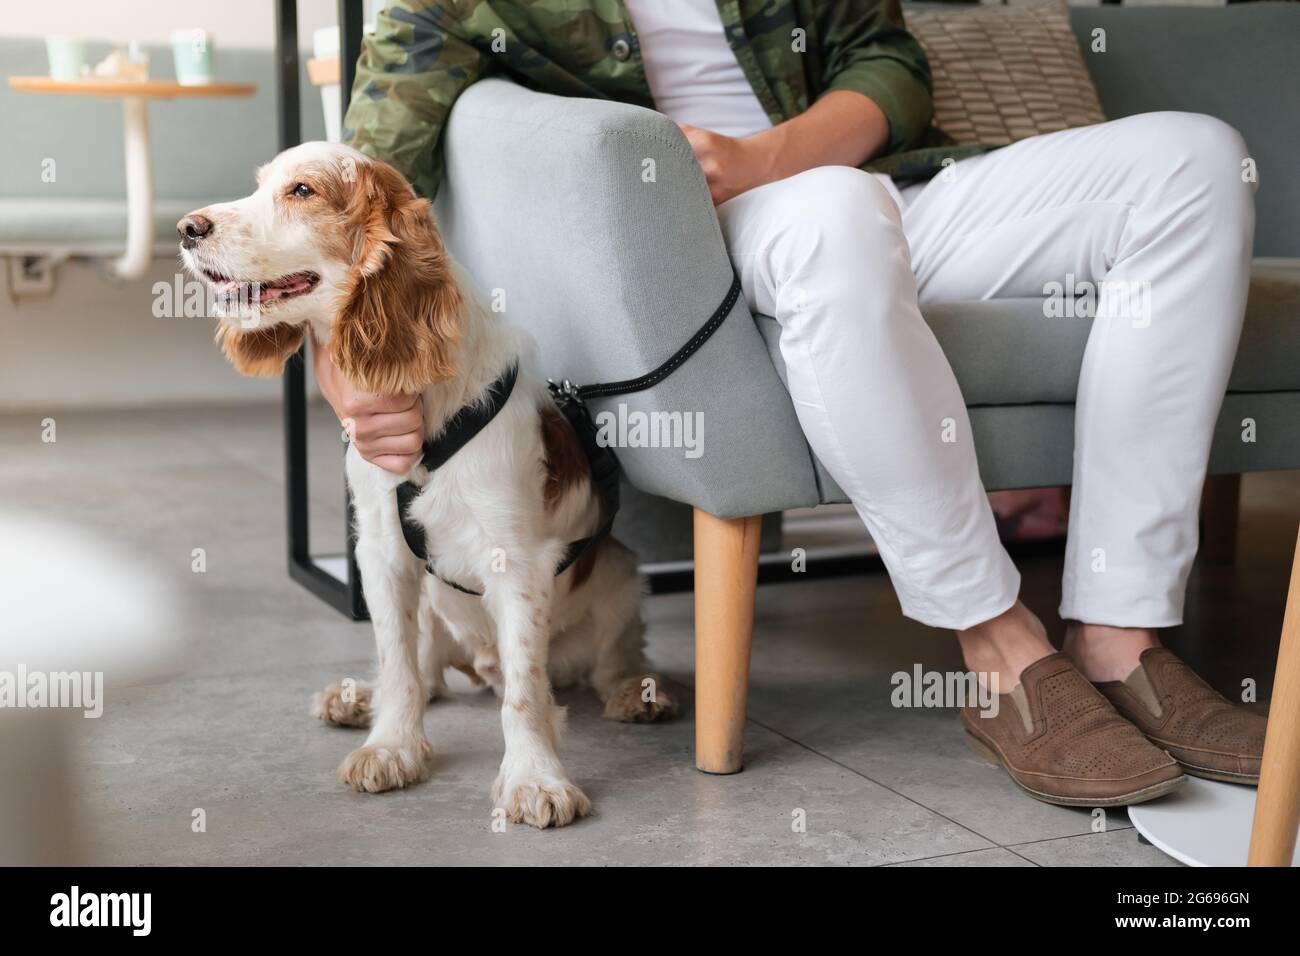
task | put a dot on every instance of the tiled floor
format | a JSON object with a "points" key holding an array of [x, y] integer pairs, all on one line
{"points": [[229, 732]]}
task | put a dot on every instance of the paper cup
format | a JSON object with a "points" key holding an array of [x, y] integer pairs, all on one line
{"points": [[192, 50], [67, 57]]}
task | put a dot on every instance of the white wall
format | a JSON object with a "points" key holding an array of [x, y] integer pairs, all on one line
{"points": [[234, 23]]}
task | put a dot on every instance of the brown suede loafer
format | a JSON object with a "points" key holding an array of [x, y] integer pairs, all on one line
{"points": [[1062, 742], [1203, 730]]}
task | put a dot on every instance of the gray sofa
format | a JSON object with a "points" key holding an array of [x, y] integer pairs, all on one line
{"points": [[83, 211], [544, 198]]}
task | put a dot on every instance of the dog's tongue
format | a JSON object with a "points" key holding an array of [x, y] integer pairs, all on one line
{"points": [[289, 285]]}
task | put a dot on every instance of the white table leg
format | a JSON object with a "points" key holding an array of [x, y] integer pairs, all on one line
{"points": [[139, 190]]}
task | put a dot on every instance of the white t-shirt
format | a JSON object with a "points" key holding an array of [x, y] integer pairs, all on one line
{"points": [[693, 74]]}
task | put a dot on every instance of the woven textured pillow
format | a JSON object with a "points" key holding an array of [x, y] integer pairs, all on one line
{"points": [[1003, 74]]}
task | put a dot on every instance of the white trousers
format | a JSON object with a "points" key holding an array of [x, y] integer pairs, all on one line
{"points": [[1157, 202]]}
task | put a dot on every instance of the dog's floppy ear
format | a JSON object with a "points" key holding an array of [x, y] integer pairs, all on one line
{"points": [[400, 317], [260, 351]]}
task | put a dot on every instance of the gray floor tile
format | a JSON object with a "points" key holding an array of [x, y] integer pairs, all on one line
{"points": [[230, 733], [823, 657], [243, 749], [996, 857], [1112, 848]]}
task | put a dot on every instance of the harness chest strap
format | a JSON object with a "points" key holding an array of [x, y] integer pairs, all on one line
{"points": [[437, 451], [460, 430], [601, 460]]}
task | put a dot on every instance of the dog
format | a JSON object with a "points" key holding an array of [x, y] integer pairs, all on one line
{"points": [[338, 244]]}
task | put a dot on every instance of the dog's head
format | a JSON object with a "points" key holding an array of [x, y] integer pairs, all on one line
{"points": [[329, 234]]}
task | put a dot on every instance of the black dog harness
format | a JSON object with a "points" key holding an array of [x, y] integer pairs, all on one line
{"points": [[471, 420], [570, 400]]}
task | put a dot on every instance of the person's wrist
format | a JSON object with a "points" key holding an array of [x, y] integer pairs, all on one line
{"points": [[331, 394], [765, 153], [320, 369], [328, 382]]}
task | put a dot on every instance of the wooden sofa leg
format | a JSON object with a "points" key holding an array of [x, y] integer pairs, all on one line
{"points": [[726, 572], [1277, 805], [1220, 507]]}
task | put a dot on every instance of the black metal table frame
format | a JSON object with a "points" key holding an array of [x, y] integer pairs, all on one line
{"points": [[344, 595]]}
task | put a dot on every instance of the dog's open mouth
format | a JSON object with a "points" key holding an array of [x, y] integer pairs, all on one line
{"points": [[285, 287]]}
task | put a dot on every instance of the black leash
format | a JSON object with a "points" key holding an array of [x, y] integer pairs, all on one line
{"points": [[571, 401], [652, 379]]}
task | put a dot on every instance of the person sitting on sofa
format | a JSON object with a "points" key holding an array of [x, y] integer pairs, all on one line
{"points": [[784, 103]]}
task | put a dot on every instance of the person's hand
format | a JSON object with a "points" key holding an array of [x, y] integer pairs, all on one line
{"points": [[843, 128], [731, 166], [387, 430]]}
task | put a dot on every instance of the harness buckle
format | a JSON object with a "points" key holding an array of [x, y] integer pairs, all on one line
{"points": [[564, 390]]}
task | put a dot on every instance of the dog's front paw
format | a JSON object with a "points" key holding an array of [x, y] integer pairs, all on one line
{"points": [[635, 702], [542, 801], [374, 768], [344, 704]]}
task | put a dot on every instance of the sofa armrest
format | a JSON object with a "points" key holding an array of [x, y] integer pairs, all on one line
{"points": [[592, 221]]}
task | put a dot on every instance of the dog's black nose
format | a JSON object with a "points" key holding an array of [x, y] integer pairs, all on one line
{"points": [[193, 228]]}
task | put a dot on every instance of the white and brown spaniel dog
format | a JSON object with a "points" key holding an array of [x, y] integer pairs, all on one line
{"points": [[338, 242]]}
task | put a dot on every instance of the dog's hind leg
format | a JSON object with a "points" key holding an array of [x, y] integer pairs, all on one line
{"points": [[435, 648], [345, 703], [440, 650], [352, 703], [621, 677]]}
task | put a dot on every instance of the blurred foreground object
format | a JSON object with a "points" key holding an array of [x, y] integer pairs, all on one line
{"points": [[80, 620]]}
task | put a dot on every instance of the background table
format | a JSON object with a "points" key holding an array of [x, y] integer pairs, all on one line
{"points": [[134, 95]]}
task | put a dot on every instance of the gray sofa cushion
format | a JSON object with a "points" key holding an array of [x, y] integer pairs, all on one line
{"points": [[1032, 446], [1005, 352], [1235, 62], [1019, 372]]}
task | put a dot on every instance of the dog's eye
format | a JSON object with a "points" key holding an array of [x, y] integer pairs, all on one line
{"points": [[302, 191]]}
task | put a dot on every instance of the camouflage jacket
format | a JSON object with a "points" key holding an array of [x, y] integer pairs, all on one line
{"points": [[425, 53]]}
